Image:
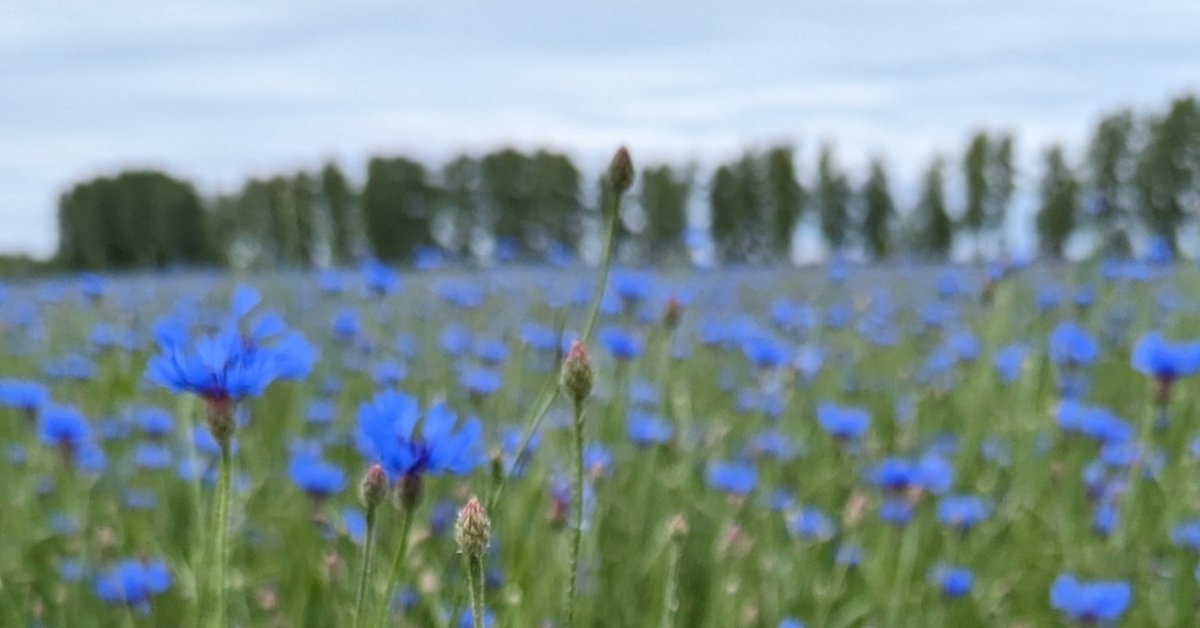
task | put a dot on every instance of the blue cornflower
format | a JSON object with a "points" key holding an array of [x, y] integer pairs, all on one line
{"points": [[491, 350], [895, 510], [848, 554], [345, 324], [773, 443], [315, 476], [320, 411], [132, 582], [843, 423], [355, 524], [631, 286], [388, 372], [894, 474], [464, 618], [962, 512], [790, 622], [387, 433], [620, 343], [1071, 344], [1187, 534], [808, 360], [953, 581], [810, 523], [731, 477], [646, 429], [480, 381], [1104, 519], [380, 279], [64, 427], [597, 460], [1007, 362], [155, 422], [23, 394], [1089, 602], [764, 352], [151, 456], [1165, 361]]}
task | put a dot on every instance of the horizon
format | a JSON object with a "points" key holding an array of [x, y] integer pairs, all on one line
{"points": [[219, 93]]}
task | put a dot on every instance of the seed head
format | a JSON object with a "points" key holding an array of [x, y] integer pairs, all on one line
{"points": [[472, 531], [373, 487], [620, 171], [577, 373]]}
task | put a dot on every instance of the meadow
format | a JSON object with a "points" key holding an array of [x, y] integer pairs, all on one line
{"points": [[823, 447]]}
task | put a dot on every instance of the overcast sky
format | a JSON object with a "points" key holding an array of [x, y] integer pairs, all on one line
{"points": [[215, 90]]}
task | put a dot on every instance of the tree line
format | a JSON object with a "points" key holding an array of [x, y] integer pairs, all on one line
{"points": [[1138, 177]]}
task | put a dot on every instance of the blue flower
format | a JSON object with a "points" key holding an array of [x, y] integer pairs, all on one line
{"points": [[953, 581], [464, 618], [1007, 362], [63, 426], [345, 324], [387, 434], [155, 422], [1071, 344], [1089, 601], [810, 523], [480, 381], [597, 460], [380, 279], [620, 343], [23, 394], [355, 524], [764, 352], [1162, 360], [895, 510], [313, 475], [151, 456], [132, 582], [731, 477], [961, 511], [790, 622], [843, 423], [645, 429]]}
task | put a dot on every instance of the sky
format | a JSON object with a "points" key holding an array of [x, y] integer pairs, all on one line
{"points": [[216, 91]]}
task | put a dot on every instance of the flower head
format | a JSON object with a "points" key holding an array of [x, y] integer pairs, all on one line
{"points": [[388, 433], [1089, 601], [132, 582]]}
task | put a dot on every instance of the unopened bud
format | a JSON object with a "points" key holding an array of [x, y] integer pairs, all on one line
{"points": [[472, 531], [620, 171], [671, 313], [373, 487], [577, 373]]}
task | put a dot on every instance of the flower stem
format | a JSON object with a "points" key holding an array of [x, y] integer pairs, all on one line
{"points": [[671, 590], [577, 509], [475, 589], [602, 272], [409, 514], [365, 576], [220, 552]]}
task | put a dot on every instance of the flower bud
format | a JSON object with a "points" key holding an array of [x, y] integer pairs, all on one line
{"points": [[620, 171], [577, 373], [677, 528], [472, 531], [671, 313], [373, 487]]}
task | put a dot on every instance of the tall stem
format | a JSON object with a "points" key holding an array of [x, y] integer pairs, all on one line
{"points": [[396, 563], [220, 552], [671, 592], [365, 576], [475, 589], [577, 510], [602, 273]]}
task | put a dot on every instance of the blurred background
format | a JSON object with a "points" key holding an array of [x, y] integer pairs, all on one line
{"points": [[311, 133]]}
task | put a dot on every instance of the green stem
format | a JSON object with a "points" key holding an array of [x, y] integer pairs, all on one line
{"points": [[545, 400], [671, 591], [577, 509], [602, 273], [220, 552], [475, 589], [396, 563], [365, 576]]}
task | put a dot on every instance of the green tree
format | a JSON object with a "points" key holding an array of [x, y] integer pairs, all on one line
{"points": [[461, 207], [136, 219], [1166, 172], [1056, 213], [397, 205], [339, 200], [975, 178], [302, 197], [786, 197], [935, 230], [1112, 192], [832, 194], [663, 197], [878, 211]]}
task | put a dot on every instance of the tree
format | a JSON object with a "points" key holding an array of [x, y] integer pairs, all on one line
{"points": [[1111, 163], [1056, 214], [397, 204], [339, 199], [832, 193], [786, 198], [878, 211], [935, 231], [663, 196], [300, 194], [136, 219], [1166, 173], [975, 177]]}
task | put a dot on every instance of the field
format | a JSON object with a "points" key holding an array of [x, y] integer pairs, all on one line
{"points": [[730, 481]]}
